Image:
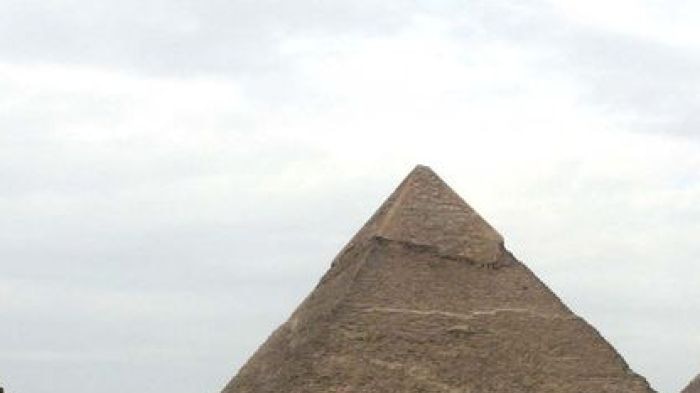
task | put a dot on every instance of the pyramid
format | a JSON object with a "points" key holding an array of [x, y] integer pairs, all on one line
{"points": [[693, 386], [425, 298]]}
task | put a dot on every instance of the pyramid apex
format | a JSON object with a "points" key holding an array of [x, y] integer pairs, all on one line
{"points": [[424, 210], [420, 168]]}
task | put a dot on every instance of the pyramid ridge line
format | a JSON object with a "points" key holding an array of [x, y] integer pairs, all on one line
{"points": [[693, 386]]}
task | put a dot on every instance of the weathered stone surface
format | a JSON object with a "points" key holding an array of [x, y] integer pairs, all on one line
{"points": [[425, 298], [425, 211], [693, 386]]}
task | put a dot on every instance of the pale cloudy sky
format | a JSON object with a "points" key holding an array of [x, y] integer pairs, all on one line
{"points": [[176, 175]]}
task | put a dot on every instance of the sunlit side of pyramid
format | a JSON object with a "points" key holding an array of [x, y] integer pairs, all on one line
{"points": [[693, 386], [425, 298]]}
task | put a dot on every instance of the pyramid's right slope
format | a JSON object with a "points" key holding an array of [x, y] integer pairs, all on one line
{"points": [[693, 386], [425, 298]]}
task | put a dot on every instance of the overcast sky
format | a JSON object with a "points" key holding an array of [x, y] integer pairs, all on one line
{"points": [[175, 176]]}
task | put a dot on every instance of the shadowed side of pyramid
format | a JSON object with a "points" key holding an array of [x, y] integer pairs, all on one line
{"points": [[693, 386], [425, 298]]}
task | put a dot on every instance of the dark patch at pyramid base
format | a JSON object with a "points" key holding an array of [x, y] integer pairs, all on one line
{"points": [[393, 317]]}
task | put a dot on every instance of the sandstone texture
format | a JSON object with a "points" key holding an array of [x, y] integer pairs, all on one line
{"points": [[425, 298]]}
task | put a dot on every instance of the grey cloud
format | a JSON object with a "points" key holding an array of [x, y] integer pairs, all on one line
{"points": [[654, 84], [647, 85], [178, 36]]}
